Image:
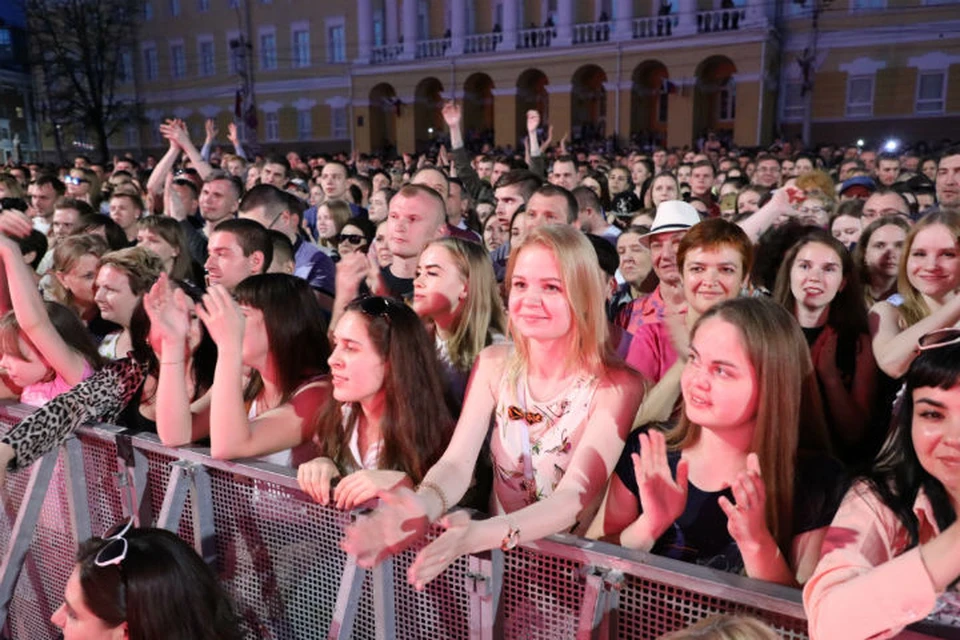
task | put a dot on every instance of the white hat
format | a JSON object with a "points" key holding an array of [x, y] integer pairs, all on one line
{"points": [[673, 215]]}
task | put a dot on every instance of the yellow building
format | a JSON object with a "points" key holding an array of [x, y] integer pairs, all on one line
{"points": [[371, 74]]}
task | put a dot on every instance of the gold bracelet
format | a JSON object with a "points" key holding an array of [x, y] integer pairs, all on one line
{"points": [[433, 486]]}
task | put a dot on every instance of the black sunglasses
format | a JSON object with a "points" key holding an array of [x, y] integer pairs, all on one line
{"points": [[353, 238], [379, 306]]}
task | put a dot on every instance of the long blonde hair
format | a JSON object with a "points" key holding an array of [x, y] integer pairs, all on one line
{"points": [[482, 311], [789, 413], [583, 287], [65, 257], [914, 307]]}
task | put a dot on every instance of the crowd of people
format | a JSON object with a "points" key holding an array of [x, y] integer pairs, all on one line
{"points": [[693, 352]]}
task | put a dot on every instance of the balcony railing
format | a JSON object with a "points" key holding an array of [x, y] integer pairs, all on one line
{"points": [[536, 38], [721, 20], [658, 27], [482, 42], [433, 48], [591, 32], [386, 53]]}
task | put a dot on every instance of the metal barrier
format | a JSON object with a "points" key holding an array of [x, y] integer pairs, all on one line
{"points": [[278, 553]]}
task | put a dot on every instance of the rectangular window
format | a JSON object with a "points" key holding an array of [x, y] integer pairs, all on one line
{"points": [[931, 89], [304, 125], [728, 100], [379, 29], [203, 6], [268, 51], [336, 44], [423, 20], [271, 126], [233, 4], [663, 102], [175, 8], [793, 101], [207, 63], [860, 96], [867, 5], [301, 48], [178, 60], [148, 10], [150, 66], [338, 124], [132, 136], [235, 52], [126, 67]]}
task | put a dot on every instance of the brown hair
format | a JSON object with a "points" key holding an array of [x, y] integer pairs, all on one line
{"points": [[65, 257], [141, 266], [713, 234], [173, 234]]}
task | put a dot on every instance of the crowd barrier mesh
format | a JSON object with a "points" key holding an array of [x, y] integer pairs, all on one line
{"points": [[278, 554]]}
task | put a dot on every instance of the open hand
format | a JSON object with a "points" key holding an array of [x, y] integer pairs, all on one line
{"points": [[169, 313], [223, 319], [662, 497], [15, 224], [442, 552], [452, 114], [747, 519], [533, 121], [210, 127], [399, 521]]}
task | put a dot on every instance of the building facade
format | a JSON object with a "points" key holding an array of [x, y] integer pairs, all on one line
{"points": [[373, 74], [18, 127]]}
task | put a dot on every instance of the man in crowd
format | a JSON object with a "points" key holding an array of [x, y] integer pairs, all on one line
{"points": [[238, 249], [948, 180], [888, 168], [44, 193]]}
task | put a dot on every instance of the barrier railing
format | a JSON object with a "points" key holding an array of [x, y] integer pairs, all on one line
{"points": [[721, 20], [278, 553], [386, 53], [482, 42], [433, 48], [536, 37], [591, 32], [657, 27]]}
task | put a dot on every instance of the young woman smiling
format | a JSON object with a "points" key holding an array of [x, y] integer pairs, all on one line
{"points": [[561, 408], [817, 282], [727, 486]]}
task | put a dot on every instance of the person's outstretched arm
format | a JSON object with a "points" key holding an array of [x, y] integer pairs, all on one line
{"points": [[33, 319]]}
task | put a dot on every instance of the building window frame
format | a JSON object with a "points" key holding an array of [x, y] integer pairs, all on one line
{"points": [[928, 106], [178, 64], [268, 55], [300, 51], [861, 108], [204, 69], [793, 110], [304, 124], [339, 123], [175, 8], [336, 44], [151, 64], [271, 126]]}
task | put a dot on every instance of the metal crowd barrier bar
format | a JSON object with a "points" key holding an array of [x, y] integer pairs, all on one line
{"points": [[278, 553]]}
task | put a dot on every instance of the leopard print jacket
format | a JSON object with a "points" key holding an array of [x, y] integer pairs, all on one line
{"points": [[99, 398]]}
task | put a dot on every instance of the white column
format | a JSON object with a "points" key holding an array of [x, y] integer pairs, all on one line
{"points": [[364, 30], [564, 23], [409, 30], [687, 15], [624, 26], [390, 9], [458, 25], [510, 13]]}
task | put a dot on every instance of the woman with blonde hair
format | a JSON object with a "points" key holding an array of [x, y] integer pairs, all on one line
{"points": [[456, 289], [124, 276], [332, 215], [927, 282], [728, 487], [75, 263], [561, 407]]}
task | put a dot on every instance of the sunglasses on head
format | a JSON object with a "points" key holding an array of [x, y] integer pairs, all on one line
{"points": [[353, 238], [116, 547], [938, 338], [379, 306]]}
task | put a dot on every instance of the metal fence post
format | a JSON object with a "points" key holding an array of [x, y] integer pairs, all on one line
{"points": [[23, 528], [174, 497], [601, 599], [484, 580], [383, 600], [204, 530], [348, 599], [76, 477], [132, 468]]}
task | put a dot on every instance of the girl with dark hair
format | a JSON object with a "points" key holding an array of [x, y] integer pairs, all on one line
{"points": [[45, 348], [892, 547], [877, 257], [728, 487], [818, 284], [146, 584], [272, 325], [388, 423]]}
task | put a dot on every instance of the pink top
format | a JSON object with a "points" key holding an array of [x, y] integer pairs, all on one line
{"points": [[867, 585], [651, 351], [533, 442], [40, 393]]}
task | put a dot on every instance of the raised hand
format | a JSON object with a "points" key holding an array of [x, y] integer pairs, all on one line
{"points": [[211, 129], [662, 497], [825, 361], [15, 224], [399, 521], [442, 552], [232, 134], [452, 114], [533, 121], [169, 313], [747, 519], [223, 318], [173, 206], [315, 477]]}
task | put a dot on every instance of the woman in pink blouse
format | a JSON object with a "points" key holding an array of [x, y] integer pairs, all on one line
{"points": [[892, 548]]}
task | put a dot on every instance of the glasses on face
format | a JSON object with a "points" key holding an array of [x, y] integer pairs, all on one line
{"points": [[938, 338], [353, 238], [116, 547]]}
